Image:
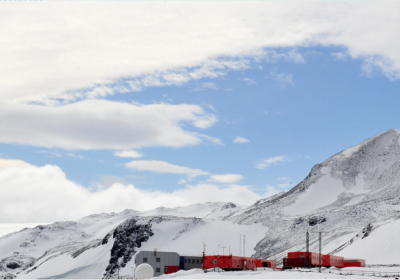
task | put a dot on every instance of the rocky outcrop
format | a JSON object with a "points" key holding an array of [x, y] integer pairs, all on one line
{"points": [[128, 236]]}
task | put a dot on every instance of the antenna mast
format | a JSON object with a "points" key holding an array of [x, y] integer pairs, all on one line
{"points": [[240, 245], [244, 245], [308, 249]]}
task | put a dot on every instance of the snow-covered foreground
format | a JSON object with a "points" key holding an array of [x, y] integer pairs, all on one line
{"points": [[270, 274]]}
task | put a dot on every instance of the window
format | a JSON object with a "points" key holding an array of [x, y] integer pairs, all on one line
{"points": [[197, 261], [189, 260], [166, 269], [157, 269], [145, 260], [158, 260]]}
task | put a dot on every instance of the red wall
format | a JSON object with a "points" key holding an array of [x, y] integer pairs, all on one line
{"points": [[171, 269], [358, 263], [236, 263], [314, 257]]}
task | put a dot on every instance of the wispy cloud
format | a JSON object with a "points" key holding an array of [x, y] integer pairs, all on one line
{"points": [[249, 81], [241, 140], [262, 164], [163, 167], [205, 86], [227, 178], [128, 154], [75, 155], [339, 55], [52, 154], [282, 79]]}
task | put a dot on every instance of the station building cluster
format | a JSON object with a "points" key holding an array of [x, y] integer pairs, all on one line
{"points": [[170, 262]]}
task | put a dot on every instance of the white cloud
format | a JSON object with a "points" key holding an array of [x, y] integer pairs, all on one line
{"points": [[163, 167], [83, 50], [102, 124], [227, 178], [128, 154], [23, 191], [6, 163], [241, 140], [282, 79], [262, 164]]}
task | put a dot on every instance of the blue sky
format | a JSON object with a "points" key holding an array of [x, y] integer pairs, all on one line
{"points": [[292, 103]]}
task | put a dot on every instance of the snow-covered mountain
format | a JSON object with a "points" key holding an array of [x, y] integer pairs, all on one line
{"points": [[87, 248], [352, 197]]}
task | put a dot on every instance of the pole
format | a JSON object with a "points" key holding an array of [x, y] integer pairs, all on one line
{"points": [[240, 245], [223, 250], [307, 249], [218, 250], [320, 249], [244, 245], [204, 255]]}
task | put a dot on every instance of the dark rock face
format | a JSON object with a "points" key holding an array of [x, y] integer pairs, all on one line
{"points": [[315, 220], [228, 205], [366, 231], [127, 237], [13, 265]]}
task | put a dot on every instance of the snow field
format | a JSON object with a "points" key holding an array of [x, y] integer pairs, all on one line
{"points": [[382, 246], [267, 274], [326, 190]]}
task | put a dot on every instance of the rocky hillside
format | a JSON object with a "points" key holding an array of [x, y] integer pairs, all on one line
{"points": [[347, 197]]}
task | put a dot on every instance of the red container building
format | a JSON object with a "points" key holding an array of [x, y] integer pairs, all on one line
{"points": [[354, 263], [266, 263], [326, 260], [294, 262], [313, 257], [337, 261], [235, 263], [331, 260]]}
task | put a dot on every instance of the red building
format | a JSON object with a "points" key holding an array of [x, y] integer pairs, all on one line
{"points": [[354, 263], [314, 258], [331, 260], [266, 263], [235, 263]]}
